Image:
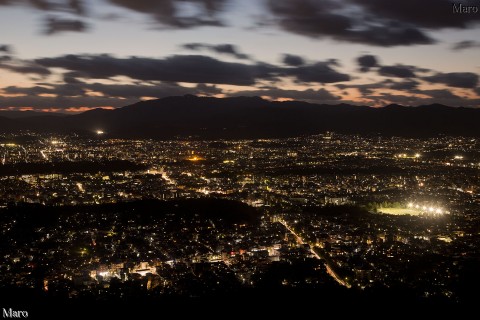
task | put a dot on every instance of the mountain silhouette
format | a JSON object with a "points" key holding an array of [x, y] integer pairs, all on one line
{"points": [[253, 117]]}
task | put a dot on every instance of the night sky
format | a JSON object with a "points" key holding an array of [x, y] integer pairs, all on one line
{"points": [[74, 55]]}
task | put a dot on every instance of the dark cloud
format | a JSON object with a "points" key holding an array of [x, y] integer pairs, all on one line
{"points": [[444, 97], [408, 85], [467, 44], [61, 102], [320, 95], [410, 94], [32, 91], [195, 46], [77, 6], [293, 60], [5, 48], [387, 98], [320, 72], [72, 77], [75, 95], [367, 89], [455, 79], [190, 68], [71, 6], [366, 62], [138, 91], [389, 35], [399, 71], [65, 90], [364, 89], [111, 90], [312, 18], [207, 89], [60, 23], [372, 22], [56, 25], [432, 14], [80, 89], [42, 4], [25, 67], [228, 49], [168, 13], [440, 94], [333, 19]]}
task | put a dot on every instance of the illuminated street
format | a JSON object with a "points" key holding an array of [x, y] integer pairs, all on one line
{"points": [[318, 256]]}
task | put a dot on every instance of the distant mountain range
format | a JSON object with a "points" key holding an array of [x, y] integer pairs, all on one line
{"points": [[251, 117]]}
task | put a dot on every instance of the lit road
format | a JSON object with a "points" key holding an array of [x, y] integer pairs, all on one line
{"points": [[330, 269], [80, 187], [44, 155], [166, 177]]}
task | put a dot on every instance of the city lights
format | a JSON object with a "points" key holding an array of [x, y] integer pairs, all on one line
{"points": [[201, 159], [426, 209], [141, 212], [408, 156], [195, 158]]}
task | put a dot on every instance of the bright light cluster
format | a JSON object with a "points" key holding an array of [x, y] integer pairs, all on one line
{"points": [[408, 156], [427, 209]]}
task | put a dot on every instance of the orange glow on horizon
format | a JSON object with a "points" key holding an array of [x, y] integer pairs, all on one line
{"points": [[16, 109], [83, 109], [283, 99], [56, 110]]}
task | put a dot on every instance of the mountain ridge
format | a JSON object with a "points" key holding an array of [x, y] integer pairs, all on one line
{"points": [[253, 117]]}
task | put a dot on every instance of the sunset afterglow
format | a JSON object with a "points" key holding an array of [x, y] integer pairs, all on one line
{"points": [[382, 54]]}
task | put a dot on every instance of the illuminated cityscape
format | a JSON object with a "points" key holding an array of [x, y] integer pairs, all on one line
{"points": [[103, 218], [191, 159]]}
